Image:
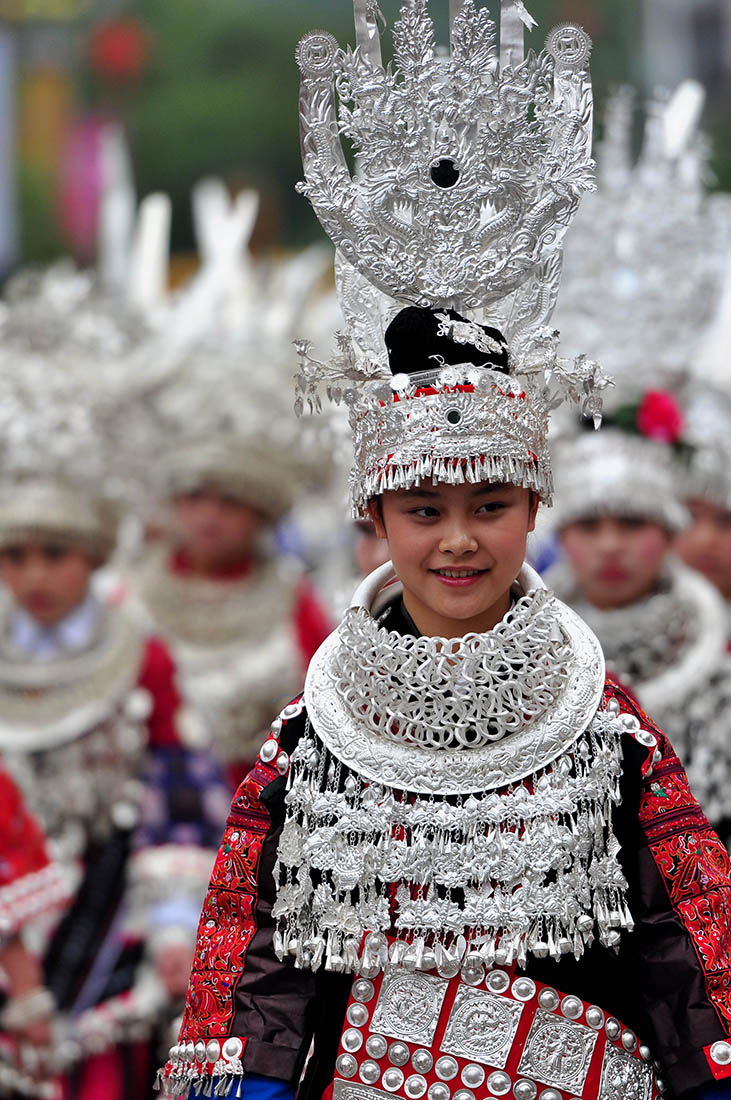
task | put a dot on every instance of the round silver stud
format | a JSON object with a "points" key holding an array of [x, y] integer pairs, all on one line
{"points": [[549, 999], [398, 1054], [415, 1086], [439, 1091], [269, 750], [232, 1048], [376, 1046], [277, 726], [464, 1094], [549, 1094], [357, 1015], [282, 763], [525, 1089], [473, 1075], [612, 1028], [595, 1017], [473, 970], [200, 1051], [292, 710], [369, 1072], [661, 1086], [422, 1060], [352, 1040], [646, 738], [498, 981], [499, 1083], [645, 1053], [446, 1068], [392, 1079], [213, 1050], [629, 1040], [571, 1008], [523, 989], [363, 990], [721, 1054], [346, 1065], [189, 1050]]}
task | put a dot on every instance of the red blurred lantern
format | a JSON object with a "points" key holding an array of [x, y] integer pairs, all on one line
{"points": [[119, 50]]}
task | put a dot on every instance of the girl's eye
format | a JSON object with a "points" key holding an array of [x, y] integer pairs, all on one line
{"points": [[492, 506], [426, 512]]}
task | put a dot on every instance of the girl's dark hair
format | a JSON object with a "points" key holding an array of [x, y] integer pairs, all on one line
{"points": [[412, 340]]}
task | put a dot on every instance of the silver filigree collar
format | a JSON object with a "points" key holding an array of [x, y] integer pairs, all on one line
{"points": [[487, 710]]}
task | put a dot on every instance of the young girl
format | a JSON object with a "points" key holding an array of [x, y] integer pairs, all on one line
{"points": [[705, 544], [89, 706], [662, 626], [464, 865], [239, 616]]}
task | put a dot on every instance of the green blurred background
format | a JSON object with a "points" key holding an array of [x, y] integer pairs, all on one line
{"points": [[209, 87]]}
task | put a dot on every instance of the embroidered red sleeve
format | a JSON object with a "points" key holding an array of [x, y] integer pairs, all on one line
{"points": [[228, 920], [696, 870], [30, 885]]}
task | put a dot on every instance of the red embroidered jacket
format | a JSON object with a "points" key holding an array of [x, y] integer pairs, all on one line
{"points": [[30, 884], [670, 981]]}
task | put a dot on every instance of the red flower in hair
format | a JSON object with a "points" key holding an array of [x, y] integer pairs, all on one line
{"points": [[660, 417]]}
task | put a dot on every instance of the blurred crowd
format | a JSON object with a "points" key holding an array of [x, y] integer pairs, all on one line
{"points": [[174, 547]]}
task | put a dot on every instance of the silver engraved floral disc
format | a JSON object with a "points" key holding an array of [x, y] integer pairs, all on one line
{"points": [[482, 1027], [569, 46], [316, 54], [624, 1077], [558, 1052], [408, 1006]]}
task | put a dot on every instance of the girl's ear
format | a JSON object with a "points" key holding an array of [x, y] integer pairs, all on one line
{"points": [[375, 511], [534, 502]]}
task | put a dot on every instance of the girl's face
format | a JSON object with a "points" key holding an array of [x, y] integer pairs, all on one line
{"points": [[706, 544], [457, 550], [48, 580], [215, 530], [616, 560]]}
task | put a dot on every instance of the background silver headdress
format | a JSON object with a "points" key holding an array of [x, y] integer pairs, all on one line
{"points": [[644, 258], [224, 416], [706, 397], [74, 359], [469, 170]]}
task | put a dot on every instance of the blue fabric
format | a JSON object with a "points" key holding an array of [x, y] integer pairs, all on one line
{"points": [[719, 1091], [254, 1087]]}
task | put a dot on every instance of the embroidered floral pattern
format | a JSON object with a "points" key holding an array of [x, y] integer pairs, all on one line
{"points": [[694, 865], [228, 921]]}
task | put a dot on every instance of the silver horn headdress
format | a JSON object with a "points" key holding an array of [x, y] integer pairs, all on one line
{"points": [[469, 169]]}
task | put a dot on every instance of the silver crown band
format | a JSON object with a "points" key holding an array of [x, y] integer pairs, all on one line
{"points": [[485, 427]]}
